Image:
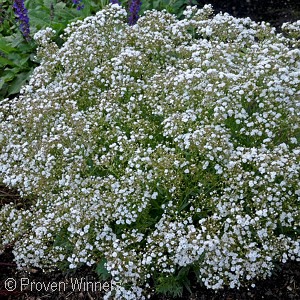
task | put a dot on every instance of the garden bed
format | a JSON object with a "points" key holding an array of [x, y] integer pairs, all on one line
{"points": [[157, 154]]}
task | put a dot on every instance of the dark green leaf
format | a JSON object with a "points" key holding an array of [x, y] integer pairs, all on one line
{"points": [[4, 62], [8, 75], [5, 47], [101, 270], [18, 82]]}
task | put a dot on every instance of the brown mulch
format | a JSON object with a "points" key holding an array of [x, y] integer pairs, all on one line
{"points": [[275, 12]]}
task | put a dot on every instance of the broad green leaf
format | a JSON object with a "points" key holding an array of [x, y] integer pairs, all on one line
{"points": [[5, 47], [14, 40], [23, 61], [3, 89], [60, 5], [101, 270], [1, 85], [57, 27], [15, 57], [47, 3], [8, 76], [18, 82], [26, 48], [39, 19], [4, 62]]}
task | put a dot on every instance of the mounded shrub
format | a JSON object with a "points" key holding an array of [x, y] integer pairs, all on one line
{"points": [[155, 150]]}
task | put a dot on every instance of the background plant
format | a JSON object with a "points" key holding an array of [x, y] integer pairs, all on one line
{"points": [[172, 6], [17, 58]]}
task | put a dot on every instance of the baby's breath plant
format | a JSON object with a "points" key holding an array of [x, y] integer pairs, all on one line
{"points": [[157, 149]]}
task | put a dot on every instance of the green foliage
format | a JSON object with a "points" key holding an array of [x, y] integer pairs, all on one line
{"points": [[102, 271], [17, 56], [7, 18], [174, 284], [16, 63]]}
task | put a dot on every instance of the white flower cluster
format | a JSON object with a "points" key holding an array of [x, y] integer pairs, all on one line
{"points": [[166, 144], [292, 29]]}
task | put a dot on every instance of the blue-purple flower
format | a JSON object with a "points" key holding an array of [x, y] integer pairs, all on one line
{"points": [[134, 8], [22, 15], [114, 2], [79, 6]]}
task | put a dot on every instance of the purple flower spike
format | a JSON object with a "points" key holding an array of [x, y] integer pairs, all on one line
{"points": [[77, 2], [134, 8], [80, 7], [22, 15], [114, 2]]}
